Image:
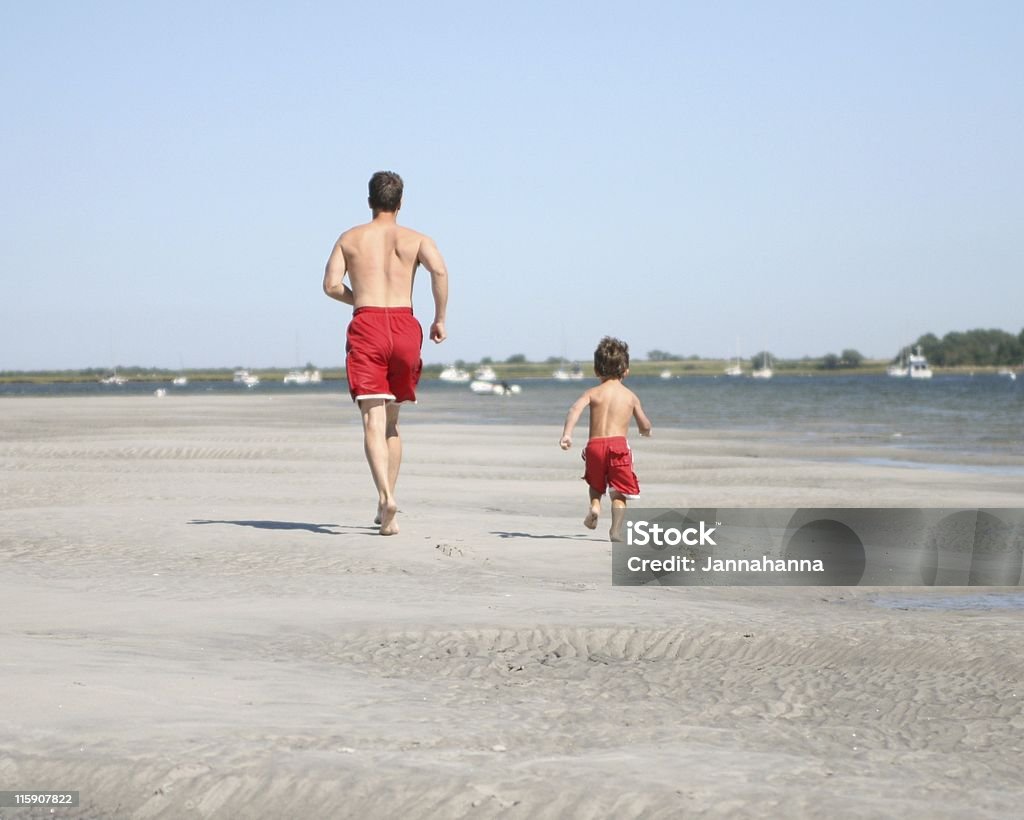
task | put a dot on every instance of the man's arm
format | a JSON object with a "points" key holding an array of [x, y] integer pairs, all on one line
{"points": [[571, 418], [430, 257], [334, 276]]}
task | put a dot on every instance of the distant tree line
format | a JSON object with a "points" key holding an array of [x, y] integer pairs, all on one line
{"points": [[848, 358], [973, 347]]}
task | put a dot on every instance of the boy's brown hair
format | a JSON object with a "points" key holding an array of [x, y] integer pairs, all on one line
{"points": [[611, 359]]}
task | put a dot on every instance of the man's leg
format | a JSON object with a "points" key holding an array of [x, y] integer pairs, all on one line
{"points": [[394, 443], [375, 445], [590, 522], [618, 514]]}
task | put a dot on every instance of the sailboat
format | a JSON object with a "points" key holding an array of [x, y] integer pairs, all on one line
{"points": [[114, 379], [764, 371], [181, 380], [898, 370], [575, 374], [735, 369]]}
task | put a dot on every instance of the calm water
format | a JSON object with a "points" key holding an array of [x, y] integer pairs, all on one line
{"points": [[970, 603], [955, 414]]}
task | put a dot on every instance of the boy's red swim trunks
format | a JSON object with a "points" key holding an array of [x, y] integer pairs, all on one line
{"points": [[610, 463], [382, 350]]}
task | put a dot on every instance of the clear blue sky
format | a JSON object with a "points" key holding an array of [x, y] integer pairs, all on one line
{"points": [[806, 176]]}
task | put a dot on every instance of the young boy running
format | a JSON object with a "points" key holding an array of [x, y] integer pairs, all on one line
{"points": [[607, 455]]}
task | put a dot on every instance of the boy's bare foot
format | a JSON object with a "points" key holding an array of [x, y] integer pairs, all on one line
{"points": [[376, 519], [388, 524], [590, 522], [615, 536]]}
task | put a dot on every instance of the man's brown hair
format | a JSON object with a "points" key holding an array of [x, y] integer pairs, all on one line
{"points": [[611, 359], [386, 191]]}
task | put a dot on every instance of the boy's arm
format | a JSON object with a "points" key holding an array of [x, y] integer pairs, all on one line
{"points": [[571, 418], [642, 422], [334, 275]]}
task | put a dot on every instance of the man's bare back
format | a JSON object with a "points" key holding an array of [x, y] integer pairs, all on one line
{"points": [[380, 259]]}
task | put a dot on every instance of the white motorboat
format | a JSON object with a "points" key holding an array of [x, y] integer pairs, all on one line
{"points": [[302, 377], [114, 379], [454, 374], [486, 388], [665, 374], [918, 365], [180, 381], [246, 378], [485, 373]]}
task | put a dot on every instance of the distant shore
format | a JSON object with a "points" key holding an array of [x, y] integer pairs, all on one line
{"points": [[678, 368]]}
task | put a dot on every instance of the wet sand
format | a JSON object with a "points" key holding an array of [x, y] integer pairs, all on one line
{"points": [[199, 621]]}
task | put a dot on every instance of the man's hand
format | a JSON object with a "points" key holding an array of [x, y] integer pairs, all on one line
{"points": [[565, 443], [437, 333]]}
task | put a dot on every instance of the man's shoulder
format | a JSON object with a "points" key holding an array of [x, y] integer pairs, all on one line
{"points": [[409, 234], [353, 233]]}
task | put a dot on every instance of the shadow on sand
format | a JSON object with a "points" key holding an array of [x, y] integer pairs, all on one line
{"points": [[502, 534], [320, 529]]}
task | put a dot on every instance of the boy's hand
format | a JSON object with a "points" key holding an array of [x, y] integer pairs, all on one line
{"points": [[565, 443], [647, 433]]}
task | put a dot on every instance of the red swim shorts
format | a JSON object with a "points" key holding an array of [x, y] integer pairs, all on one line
{"points": [[382, 350], [610, 463]]}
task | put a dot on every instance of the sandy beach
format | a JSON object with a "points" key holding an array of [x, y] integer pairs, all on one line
{"points": [[200, 621]]}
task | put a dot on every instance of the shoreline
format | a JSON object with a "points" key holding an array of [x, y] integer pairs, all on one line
{"points": [[531, 371]]}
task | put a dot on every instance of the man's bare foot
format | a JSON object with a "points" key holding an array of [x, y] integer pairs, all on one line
{"points": [[388, 524], [615, 536], [590, 522], [376, 519]]}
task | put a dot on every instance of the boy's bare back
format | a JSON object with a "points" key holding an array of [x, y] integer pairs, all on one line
{"points": [[612, 405]]}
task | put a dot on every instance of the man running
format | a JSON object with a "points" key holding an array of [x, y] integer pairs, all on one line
{"points": [[384, 339]]}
